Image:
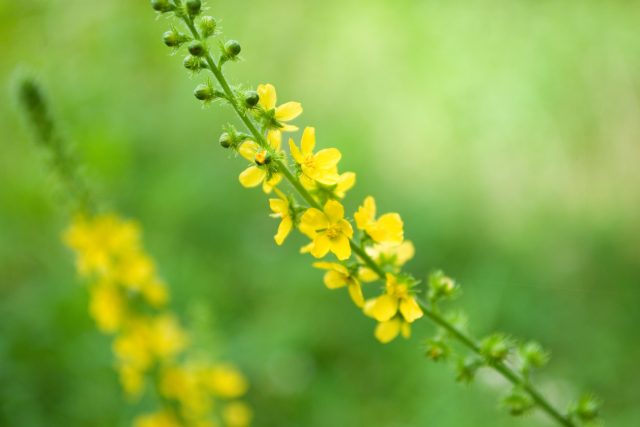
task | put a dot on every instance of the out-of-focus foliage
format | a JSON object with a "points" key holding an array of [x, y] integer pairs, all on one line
{"points": [[506, 134]]}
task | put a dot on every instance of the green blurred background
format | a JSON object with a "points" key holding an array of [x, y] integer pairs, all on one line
{"points": [[507, 134]]}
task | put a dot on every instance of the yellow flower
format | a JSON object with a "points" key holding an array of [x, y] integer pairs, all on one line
{"points": [[260, 171], [99, 241], [107, 306], [387, 255], [157, 419], [322, 166], [387, 228], [396, 298], [225, 381], [281, 209], [338, 276], [328, 229], [155, 293], [236, 414], [132, 380], [387, 331], [344, 183], [167, 336], [281, 114], [183, 383]]}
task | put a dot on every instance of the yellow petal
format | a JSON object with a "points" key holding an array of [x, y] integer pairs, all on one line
{"points": [[325, 265], [334, 279], [345, 183], [328, 158], [404, 252], [252, 176], [334, 211], [308, 141], [312, 220], [321, 245], [410, 309], [283, 230], [388, 228], [267, 95], [341, 247], [248, 150], [387, 331], [288, 128], [367, 275], [268, 186], [346, 228], [279, 206], [295, 152], [288, 111], [382, 308], [406, 330], [366, 213], [274, 138], [355, 291], [306, 248]]}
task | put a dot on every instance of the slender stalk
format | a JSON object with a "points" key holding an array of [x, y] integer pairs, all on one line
{"points": [[459, 335]]}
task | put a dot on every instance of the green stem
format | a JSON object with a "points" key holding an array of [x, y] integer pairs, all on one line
{"points": [[503, 369]]}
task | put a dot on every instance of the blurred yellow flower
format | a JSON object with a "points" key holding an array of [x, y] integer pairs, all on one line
{"points": [[237, 414], [387, 228], [328, 229], [107, 306], [225, 381], [387, 255], [338, 276], [322, 166]]}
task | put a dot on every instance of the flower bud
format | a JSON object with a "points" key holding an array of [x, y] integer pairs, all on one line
{"points": [[204, 92], [192, 63], [161, 6], [533, 355], [226, 140], [437, 349], [208, 26], [587, 408], [196, 48], [495, 348], [193, 7], [232, 48], [251, 98], [518, 402], [172, 38]]}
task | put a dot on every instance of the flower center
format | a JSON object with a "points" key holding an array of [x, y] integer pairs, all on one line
{"points": [[333, 232], [262, 158], [309, 162]]}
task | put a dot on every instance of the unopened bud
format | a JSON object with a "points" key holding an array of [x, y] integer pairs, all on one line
{"points": [[161, 6], [208, 26], [172, 38], [225, 140], [251, 98], [196, 48], [192, 63], [193, 7], [232, 48], [495, 347], [204, 92]]}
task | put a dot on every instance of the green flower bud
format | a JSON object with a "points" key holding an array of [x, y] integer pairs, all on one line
{"points": [[161, 6], [226, 140], [193, 7], [208, 26], [204, 92], [196, 48], [251, 98], [437, 349], [518, 402], [172, 38], [587, 408], [467, 368], [495, 348], [533, 355], [232, 48], [192, 63]]}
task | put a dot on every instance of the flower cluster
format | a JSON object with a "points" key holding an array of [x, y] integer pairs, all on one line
{"points": [[365, 248], [129, 302]]}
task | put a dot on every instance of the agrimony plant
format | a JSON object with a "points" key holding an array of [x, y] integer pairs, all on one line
{"points": [[373, 250], [130, 302]]}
